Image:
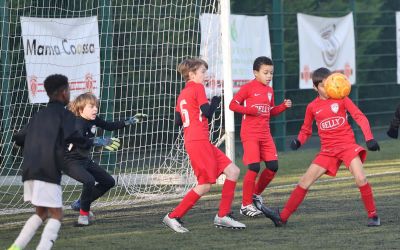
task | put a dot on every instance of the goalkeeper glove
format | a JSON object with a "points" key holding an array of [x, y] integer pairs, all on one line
{"points": [[109, 143], [295, 144], [135, 119], [373, 145]]}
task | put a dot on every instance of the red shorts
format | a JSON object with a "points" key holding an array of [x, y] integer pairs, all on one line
{"points": [[332, 159], [208, 162], [257, 151]]}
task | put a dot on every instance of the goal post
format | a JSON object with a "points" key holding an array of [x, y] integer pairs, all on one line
{"points": [[141, 43]]}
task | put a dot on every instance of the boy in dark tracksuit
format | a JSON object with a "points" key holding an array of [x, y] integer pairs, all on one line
{"points": [[44, 141], [78, 163]]}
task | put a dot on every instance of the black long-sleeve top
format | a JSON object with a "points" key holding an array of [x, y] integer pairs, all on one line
{"points": [[87, 129]]}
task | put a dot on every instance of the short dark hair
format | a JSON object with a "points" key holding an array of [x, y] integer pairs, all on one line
{"points": [[319, 75], [53, 84], [261, 60]]}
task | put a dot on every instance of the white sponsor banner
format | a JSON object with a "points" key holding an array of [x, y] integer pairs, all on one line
{"points": [[249, 40], [68, 46], [326, 42], [398, 45]]}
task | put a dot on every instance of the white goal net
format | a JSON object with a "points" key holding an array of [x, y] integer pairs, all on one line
{"points": [[141, 43]]}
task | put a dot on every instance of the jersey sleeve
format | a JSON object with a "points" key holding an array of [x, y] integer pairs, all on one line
{"points": [[99, 122], [306, 129], [236, 103], [359, 117]]}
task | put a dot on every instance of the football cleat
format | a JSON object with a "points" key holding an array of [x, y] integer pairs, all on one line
{"points": [[273, 214], [250, 210], [83, 220], [175, 224], [76, 205], [374, 221], [257, 201], [228, 221]]}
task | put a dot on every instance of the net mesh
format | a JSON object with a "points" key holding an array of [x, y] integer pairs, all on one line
{"points": [[141, 42]]}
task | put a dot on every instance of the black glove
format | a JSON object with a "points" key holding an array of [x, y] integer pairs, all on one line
{"points": [[373, 145], [393, 133], [295, 144], [215, 101]]}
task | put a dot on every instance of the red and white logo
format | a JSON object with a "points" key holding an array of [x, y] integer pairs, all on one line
{"points": [[335, 107], [89, 82], [331, 123], [262, 108], [33, 85]]}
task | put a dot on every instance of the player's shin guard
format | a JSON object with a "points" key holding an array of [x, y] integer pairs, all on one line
{"points": [[295, 199], [248, 187], [28, 231], [228, 193], [49, 234], [368, 200], [186, 204], [263, 181]]}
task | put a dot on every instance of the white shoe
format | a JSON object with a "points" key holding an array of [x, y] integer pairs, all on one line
{"points": [[228, 221], [257, 201], [175, 224], [250, 210], [91, 216], [83, 220]]}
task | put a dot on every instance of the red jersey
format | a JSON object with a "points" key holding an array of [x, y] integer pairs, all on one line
{"points": [[255, 101], [331, 119], [195, 125]]}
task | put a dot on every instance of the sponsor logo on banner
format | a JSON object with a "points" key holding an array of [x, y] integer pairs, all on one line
{"points": [[244, 50], [325, 42], [68, 46]]}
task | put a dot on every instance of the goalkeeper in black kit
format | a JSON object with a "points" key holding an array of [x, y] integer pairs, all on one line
{"points": [[78, 163], [393, 131]]}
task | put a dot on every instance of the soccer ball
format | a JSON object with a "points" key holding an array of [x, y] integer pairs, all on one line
{"points": [[337, 86]]}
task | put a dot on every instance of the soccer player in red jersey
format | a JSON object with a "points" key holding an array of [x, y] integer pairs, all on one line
{"points": [[193, 112], [255, 100], [338, 145]]}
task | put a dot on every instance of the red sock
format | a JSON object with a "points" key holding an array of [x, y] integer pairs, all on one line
{"points": [[293, 203], [368, 199], [186, 204], [228, 192], [265, 178], [248, 187], [81, 212]]}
